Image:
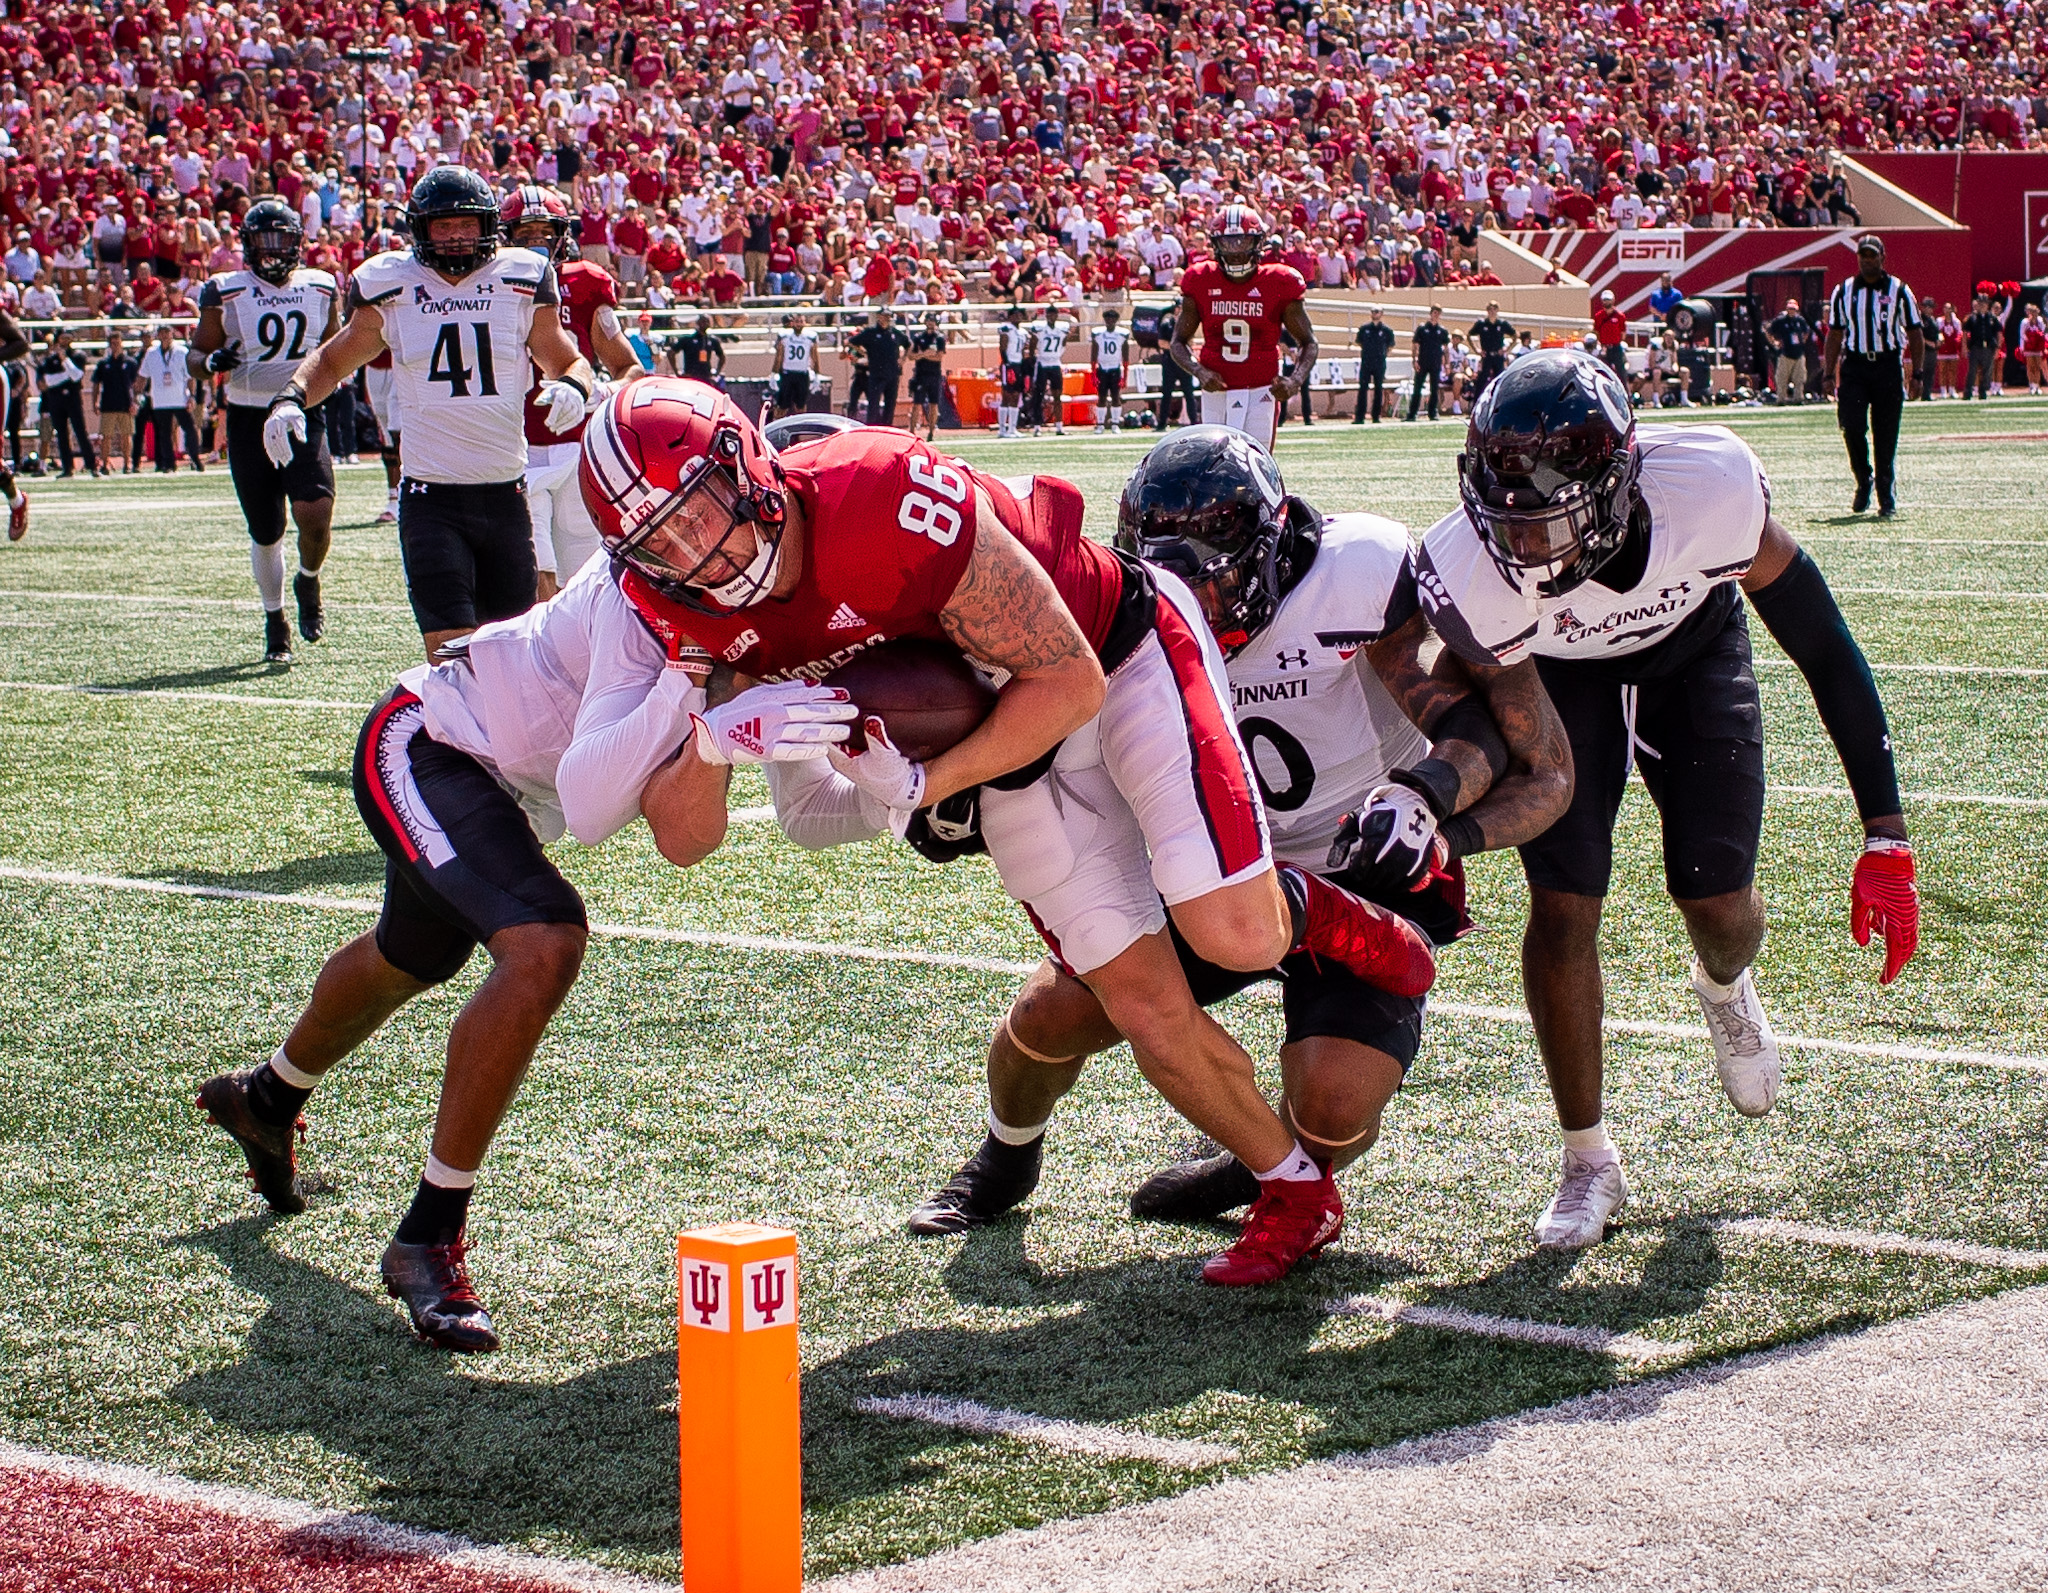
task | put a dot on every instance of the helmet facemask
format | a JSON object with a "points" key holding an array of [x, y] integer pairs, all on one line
{"points": [[1548, 534], [272, 254], [675, 556], [1237, 253]]}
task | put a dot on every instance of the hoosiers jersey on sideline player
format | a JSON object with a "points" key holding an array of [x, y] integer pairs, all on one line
{"points": [[1241, 320]]}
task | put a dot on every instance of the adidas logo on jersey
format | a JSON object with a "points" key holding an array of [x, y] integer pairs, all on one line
{"points": [[737, 648], [844, 619]]}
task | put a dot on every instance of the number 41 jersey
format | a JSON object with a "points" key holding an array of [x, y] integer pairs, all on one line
{"points": [[1320, 728], [459, 364], [272, 327]]}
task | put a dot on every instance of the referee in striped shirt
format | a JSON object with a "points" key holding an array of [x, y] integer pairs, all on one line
{"points": [[1872, 320]]}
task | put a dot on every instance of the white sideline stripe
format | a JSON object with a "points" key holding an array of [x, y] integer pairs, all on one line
{"points": [[1887, 1244], [1632, 1347], [49, 505], [2000, 670], [175, 695], [1002, 965], [336, 1526], [1962, 591], [1079, 1438], [171, 600], [1921, 542], [1945, 798]]}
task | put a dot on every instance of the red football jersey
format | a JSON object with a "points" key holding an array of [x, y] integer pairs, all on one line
{"points": [[585, 288], [1241, 320], [891, 528]]}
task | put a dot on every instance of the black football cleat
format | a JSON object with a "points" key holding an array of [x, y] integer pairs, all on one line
{"points": [[433, 1281], [995, 1179], [1195, 1191], [273, 1164], [1862, 499], [277, 639], [312, 617]]}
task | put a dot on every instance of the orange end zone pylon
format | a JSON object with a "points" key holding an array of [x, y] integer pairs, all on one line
{"points": [[736, 1370]]}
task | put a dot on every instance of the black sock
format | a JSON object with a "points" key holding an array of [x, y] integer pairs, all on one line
{"points": [[1295, 889], [1001, 1153], [273, 1100], [436, 1215]]}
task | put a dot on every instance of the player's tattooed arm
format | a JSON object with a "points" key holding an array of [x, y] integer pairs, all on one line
{"points": [[1184, 327], [1007, 614], [1402, 660], [1537, 786], [1306, 352]]}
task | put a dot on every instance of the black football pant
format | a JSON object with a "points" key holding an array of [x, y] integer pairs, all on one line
{"points": [[66, 409], [1048, 391], [1434, 376], [1870, 396], [1377, 382], [1176, 384], [1979, 378], [882, 385]]}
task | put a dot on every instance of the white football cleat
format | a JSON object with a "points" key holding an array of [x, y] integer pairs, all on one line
{"points": [[1590, 1192], [1745, 1050]]}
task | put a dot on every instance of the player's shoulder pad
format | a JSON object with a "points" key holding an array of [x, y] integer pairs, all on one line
{"points": [[1707, 483], [1479, 616], [1285, 278], [584, 282], [218, 289], [530, 275], [382, 277], [316, 279], [1360, 587]]}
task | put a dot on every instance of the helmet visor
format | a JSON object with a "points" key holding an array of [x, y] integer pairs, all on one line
{"points": [[702, 537], [1544, 542]]}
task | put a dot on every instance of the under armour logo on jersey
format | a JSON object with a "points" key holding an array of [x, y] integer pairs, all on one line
{"points": [[844, 619], [1291, 659], [739, 644]]}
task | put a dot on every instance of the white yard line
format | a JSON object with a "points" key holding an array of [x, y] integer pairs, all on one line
{"points": [[1631, 1347], [46, 504], [364, 1532], [1997, 670], [1887, 1244], [1937, 798], [1921, 591], [972, 964], [242, 699], [1078, 1438], [172, 600]]}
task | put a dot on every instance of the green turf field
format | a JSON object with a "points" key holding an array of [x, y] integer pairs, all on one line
{"points": [[151, 1316]]}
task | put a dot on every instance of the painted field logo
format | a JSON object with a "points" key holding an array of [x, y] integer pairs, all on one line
{"points": [[768, 1293], [704, 1289]]}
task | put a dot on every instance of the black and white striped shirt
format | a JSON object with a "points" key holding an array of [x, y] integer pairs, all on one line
{"points": [[1873, 319]]}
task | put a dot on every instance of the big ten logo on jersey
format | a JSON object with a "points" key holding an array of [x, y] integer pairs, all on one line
{"points": [[707, 1301], [768, 1293], [935, 511]]}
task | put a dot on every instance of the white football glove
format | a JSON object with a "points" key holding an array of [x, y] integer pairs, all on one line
{"points": [[778, 723], [566, 404], [285, 422], [1393, 835], [883, 773]]}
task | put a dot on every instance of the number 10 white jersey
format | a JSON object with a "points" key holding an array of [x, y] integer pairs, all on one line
{"points": [[459, 364], [1320, 728], [273, 328]]}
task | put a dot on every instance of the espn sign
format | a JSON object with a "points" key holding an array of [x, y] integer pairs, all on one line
{"points": [[1650, 246], [737, 1409]]}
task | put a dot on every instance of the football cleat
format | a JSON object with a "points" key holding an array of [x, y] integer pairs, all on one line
{"points": [[1590, 1192], [1745, 1050], [995, 1179], [1861, 501], [433, 1281], [277, 639], [273, 1164], [1379, 946], [1195, 1191], [312, 616], [17, 518], [390, 514], [1292, 1219]]}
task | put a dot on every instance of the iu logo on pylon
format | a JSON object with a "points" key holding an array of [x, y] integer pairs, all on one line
{"points": [[768, 1293], [844, 619], [705, 1297]]}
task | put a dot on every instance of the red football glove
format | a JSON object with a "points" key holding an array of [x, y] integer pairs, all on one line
{"points": [[1883, 897]]}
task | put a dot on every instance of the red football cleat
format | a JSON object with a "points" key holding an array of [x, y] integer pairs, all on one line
{"points": [[17, 518], [1379, 946], [1291, 1220]]}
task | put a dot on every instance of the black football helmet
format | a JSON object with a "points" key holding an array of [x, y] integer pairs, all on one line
{"points": [[1207, 504], [1548, 475], [452, 191], [273, 240]]}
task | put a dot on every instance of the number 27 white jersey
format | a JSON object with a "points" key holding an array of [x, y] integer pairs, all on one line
{"points": [[460, 369], [1320, 728]]}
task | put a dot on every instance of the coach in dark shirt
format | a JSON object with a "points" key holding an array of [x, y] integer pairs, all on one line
{"points": [[1981, 332], [700, 354], [1375, 342], [1491, 338], [1791, 336], [113, 385], [884, 345], [1432, 338]]}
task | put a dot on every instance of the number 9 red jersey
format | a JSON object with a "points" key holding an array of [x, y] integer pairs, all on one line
{"points": [[1241, 319]]}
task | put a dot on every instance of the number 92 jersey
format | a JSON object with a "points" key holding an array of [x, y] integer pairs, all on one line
{"points": [[272, 327], [459, 364], [1319, 727]]}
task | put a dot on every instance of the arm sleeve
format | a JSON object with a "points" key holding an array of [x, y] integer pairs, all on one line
{"points": [[1801, 613], [634, 715], [817, 806]]}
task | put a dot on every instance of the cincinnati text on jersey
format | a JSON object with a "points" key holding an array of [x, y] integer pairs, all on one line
{"points": [[1671, 600], [1270, 691]]}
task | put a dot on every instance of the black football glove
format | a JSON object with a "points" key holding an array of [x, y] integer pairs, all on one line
{"points": [[1390, 844], [224, 358]]}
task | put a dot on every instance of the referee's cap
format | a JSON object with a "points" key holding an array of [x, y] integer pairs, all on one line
{"points": [[1870, 243]]}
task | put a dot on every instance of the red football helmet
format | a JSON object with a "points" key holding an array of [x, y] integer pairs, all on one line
{"points": [[1238, 238], [531, 204], [672, 470]]}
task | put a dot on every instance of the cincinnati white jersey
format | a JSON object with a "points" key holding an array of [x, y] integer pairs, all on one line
{"points": [[460, 369], [1016, 341], [1051, 341], [1109, 350], [799, 350], [272, 327], [1707, 498], [1321, 729], [569, 672]]}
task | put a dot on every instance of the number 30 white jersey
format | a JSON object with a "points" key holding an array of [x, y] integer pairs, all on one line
{"points": [[459, 364], [1320, 728], [272, 327]]}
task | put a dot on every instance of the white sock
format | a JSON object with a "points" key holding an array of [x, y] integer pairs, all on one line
{"points": [[1116, 416], [268, 565], [442, 1176], [13, 495], [1595, 1143], [289, 1074], [310, 575], [1296, 1167], [1704, 983], [1014, 1136]]}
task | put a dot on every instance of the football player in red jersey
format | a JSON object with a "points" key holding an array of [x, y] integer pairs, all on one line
{"points": [[535, 217], [1241, 306], [1114, 790]]}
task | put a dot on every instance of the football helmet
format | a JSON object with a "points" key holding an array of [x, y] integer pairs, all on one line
{"points": [[531, 204], [1238, 238], [1548, 475], [1207, 504], [672, 469], [272, 241], [452, 191], [791, 430]]}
